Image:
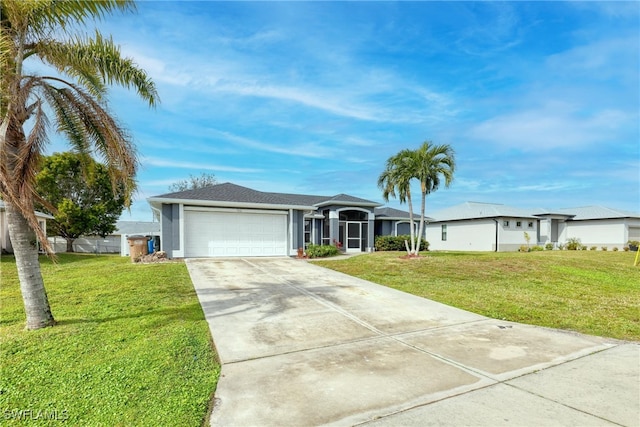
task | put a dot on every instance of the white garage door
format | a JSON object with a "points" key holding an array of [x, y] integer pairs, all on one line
{"points": [[212, 234]]}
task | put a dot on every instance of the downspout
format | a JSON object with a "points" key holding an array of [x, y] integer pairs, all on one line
{"points": [[497, 222], [290, 244]]}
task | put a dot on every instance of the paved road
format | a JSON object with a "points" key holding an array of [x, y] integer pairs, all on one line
{"points": [[303, 346]]}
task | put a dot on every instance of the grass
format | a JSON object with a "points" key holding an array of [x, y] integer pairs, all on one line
{"points": [[591, 292], [131, 346]]}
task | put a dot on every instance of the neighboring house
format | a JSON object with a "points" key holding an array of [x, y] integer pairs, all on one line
{"points": [[473, 226], [231, 220], [5, 242], [494, 227], [114, 243], [593, 225]]}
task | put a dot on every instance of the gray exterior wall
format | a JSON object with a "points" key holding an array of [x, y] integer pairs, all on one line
{"points": [[170, 228], [298, 230]]}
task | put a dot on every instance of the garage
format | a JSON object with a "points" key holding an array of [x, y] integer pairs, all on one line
{"points": [[220, 233]]}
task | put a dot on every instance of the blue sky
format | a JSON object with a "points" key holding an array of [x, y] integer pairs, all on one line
{"points": [[540, 100]]}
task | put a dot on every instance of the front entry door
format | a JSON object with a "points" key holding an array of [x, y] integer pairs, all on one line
{"points": [[354, 237]]}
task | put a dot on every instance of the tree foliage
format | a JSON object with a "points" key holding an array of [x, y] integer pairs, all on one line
{"points": [[73, 97], [430, 165], [80, 196], [194, 182]]}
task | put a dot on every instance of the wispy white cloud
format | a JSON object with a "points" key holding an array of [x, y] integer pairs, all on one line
{"points": [[549, 127], [168, 163]]}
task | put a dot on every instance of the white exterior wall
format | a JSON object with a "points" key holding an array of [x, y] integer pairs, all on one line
{"points": [[511, 237], [472, 235], [601, 232], [480, 234]]}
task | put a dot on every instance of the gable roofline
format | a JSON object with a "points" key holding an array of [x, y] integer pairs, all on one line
{"points": [[236, 196], [387, 213]]}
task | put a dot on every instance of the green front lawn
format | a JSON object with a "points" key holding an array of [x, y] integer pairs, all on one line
{"points": [[131, 346], [592, 292]]}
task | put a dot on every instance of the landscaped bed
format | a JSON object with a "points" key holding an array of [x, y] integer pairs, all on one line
{"points": [[591, 292], [131, 346]]}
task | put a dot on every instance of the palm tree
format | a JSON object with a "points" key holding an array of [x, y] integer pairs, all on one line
{"points": [[429, 164], [76, 95], [395, 181], [433, 163]]}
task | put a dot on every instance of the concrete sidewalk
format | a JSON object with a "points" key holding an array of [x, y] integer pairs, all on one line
{"points": [[303, 346]]}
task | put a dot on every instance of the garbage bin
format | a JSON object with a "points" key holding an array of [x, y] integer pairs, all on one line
{"points": [[150, 245], [137, 246]]}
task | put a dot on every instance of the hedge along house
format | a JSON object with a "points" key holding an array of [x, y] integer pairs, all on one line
{"points": [[228, 220], [476, 226]]}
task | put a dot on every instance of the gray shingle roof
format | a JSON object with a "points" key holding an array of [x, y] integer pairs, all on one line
{"points": [[382, 213], [228, 192]]}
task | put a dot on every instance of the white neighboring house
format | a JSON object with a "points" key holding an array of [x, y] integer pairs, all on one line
{"points": [[113, 243], [474, 226], [594, 226], [5, 242]]}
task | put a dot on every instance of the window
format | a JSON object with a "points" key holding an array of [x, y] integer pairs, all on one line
{"points": [[353, 216], [307, 231], [326, 237], [530, 225], [518, 224], [444, 232], [505, 223]]}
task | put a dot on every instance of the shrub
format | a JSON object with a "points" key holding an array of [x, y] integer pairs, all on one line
{"points": [[573, 244], [560, 246], [626, 249], [593, 248], [583, 247], [396, 243], [549, 246], [523, 248], [538, 248], [615, 249], [321, 251], [604, 248]]}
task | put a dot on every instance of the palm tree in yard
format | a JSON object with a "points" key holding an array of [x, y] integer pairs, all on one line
{"points": [[74, 95], [395, 181], [430, 165], [433, 165]]}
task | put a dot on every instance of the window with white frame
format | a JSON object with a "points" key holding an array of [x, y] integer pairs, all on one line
{"points": [[519, 224], [530, 225], [444, 232], [505, 223]]}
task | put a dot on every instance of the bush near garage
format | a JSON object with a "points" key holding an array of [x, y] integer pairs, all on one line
{"points": [[322, 251], [396, 243]]}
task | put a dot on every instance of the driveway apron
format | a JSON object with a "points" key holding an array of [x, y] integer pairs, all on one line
{"points": [[301, 345]]}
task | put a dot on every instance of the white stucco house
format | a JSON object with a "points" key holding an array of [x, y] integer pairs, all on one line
{"points": [[5, 242], [474, 226]]}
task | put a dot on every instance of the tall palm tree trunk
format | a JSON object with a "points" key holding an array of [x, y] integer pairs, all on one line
{"points": [[34, 295], [421, 228], [411, 224]]}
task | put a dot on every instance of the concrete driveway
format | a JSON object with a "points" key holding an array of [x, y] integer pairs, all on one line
{"points": [[303, 346]]}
